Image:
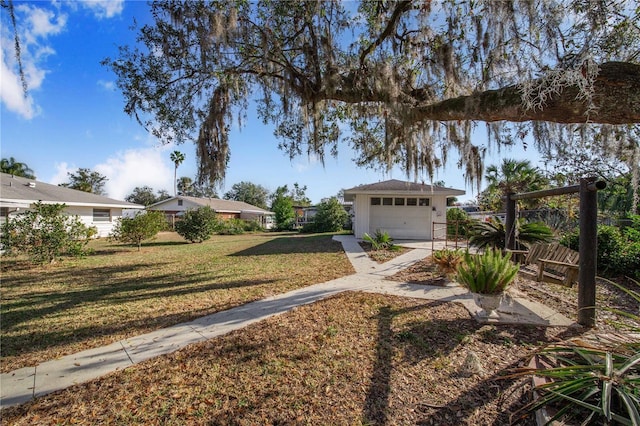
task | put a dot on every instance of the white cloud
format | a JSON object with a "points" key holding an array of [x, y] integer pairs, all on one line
{"points": [[36, 23], [109, 86], [11, 92], [104, 8], [61, 176], [136, 167]]}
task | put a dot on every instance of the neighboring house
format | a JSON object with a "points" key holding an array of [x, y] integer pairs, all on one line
{"points": [[405, 210], [18, 194], [227, 209]]}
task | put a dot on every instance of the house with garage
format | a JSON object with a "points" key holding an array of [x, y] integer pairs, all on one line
{"points": [[405, 210], [18, 194], [175, 207]]}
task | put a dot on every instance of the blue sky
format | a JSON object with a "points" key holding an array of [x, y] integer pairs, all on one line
{"points": [[73, 117]]}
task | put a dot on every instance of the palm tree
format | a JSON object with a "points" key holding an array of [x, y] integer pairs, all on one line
{"points": [[512, 176], [13, 167], [177, 157]]}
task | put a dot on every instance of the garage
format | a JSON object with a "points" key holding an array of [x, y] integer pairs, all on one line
{"points": [[405, 210], [401, 217]]}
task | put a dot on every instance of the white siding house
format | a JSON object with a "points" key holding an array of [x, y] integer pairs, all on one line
{"points": [[405, 210], [18, 194]]}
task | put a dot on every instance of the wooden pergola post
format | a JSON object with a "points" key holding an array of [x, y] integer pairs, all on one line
{"points": [[588, 243], [510, 223], [588, 191]]}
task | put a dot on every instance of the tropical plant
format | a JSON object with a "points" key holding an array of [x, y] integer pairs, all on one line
{"points": [[13, 167], [177, 157], [134, 230], [45, 233], [488, 273], [492, 234], [380, 241], [447, 260], [198, 225], [593, 385], [511, 176]]}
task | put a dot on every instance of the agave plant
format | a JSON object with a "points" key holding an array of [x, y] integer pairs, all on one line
{"points": [[492, 234], [592, 384], [486, 273], [447, 260]]}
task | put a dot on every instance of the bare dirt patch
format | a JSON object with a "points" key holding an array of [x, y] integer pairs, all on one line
{"points": [[351, 359], [383, 255]]}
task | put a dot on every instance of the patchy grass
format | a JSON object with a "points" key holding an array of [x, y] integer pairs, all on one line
{"points": [[118, 292], [351, 359]]}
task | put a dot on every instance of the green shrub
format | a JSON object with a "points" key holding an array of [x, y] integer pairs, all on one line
{"points": [[45, 233], [618, 252], [309, 228], [330, 216], [134, 230], [252, 226], [198, 225], [487, 273], [231, 227], [457, 223]]}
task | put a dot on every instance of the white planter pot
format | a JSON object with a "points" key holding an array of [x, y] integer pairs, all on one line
{"points": [[488, 302]]}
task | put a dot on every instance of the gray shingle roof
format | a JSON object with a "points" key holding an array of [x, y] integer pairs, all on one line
{"points": [[394, 185], [16, 189], [227, 206]]}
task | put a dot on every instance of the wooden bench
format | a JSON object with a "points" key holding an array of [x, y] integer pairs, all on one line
{"points": [[552, 263]]}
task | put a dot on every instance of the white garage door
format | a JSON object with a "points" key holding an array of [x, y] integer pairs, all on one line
{"points": [[401, 221]]}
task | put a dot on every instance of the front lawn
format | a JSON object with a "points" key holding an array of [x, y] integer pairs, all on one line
{"points": [[118, 292]]}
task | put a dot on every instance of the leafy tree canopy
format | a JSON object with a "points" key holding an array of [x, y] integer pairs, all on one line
{"points": [[16, 168], [145, 195], [86, 180], [187, 187], [404, 82], [248, 192]]}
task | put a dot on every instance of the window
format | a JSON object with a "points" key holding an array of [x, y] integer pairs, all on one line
{"points": [[412, 201], [375, 201], [179, 202], [387, 201], [101, 215], [423, 202], [399, 201]]}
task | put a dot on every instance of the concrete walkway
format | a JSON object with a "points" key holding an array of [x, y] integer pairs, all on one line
{"points": [[22, 385]]}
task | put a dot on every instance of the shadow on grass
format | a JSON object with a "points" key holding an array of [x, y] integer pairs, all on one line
{"points": [[108, 290], [294, 244]]}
